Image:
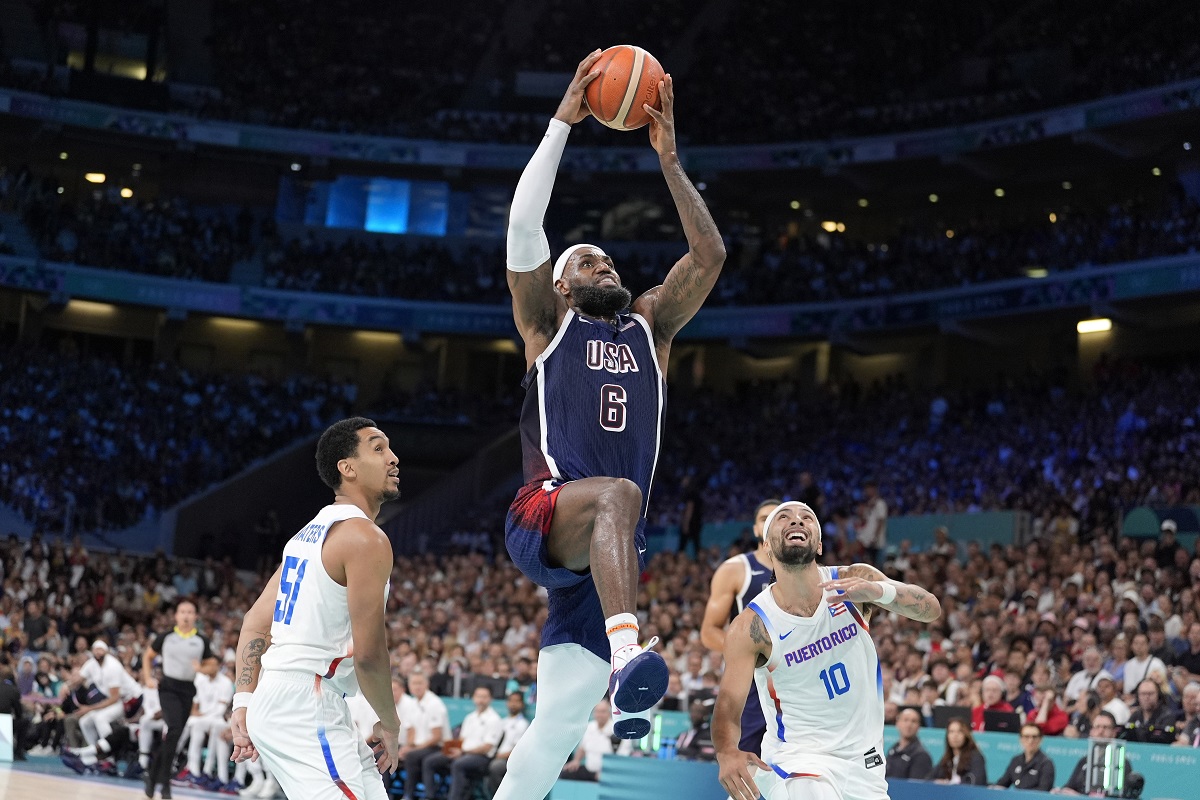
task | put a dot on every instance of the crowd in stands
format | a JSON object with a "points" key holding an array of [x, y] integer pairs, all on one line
{"points": [[1077, 458], [171, 237], [107, 444], [807, 73]]}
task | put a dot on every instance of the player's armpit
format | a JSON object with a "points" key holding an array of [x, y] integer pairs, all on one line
{"points": [[911, 600]]}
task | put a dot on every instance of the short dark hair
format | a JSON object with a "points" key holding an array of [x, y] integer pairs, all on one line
{"points": [[340, 440], [770, 501], [1110, 716]]}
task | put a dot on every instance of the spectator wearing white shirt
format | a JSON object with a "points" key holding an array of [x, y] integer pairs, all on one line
{"points": [[1085, 680], [107, 674], [596, 743], [1138, 668], [426, 713], [480, 733], [872, 535], [1106, 688], [514, 726]]}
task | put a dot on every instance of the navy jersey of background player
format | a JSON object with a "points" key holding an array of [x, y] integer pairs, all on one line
{"points": [[757, 577], [594, 404]]}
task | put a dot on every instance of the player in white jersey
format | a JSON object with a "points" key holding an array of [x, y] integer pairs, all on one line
{"points": [[317, 632], [805, 642]]}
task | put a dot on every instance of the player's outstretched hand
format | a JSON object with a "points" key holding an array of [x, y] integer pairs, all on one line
{"points": [[243, 748], [856, 590], [385, 745], [736, 776], [573, 109], [662, 123]]}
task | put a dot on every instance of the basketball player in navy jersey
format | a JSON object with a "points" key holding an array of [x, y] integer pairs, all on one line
{"points": [[735, 583], [590, 432], [805, 644]]}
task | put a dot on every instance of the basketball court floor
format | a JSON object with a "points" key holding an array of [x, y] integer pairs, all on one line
{"points": [[42, 778]]}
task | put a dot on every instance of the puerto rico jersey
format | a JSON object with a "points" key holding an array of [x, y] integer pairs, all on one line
{"points": [[594, 404], [821, 690], [310, 631]]}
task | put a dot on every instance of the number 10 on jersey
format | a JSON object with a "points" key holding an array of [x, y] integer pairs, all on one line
{"points": [[836, 680], [289, 589]]}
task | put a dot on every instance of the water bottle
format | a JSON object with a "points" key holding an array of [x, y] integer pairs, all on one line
{"points": [[669, 744]]}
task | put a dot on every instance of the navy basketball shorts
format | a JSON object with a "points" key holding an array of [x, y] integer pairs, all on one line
{"points": [[525, 532]]}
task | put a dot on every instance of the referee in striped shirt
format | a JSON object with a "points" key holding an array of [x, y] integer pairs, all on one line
{"points": [[182, 649]]}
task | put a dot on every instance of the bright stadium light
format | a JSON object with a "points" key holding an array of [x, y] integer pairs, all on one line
{"points": [[1094, 325], [933, 198], [95, 177], [1036, 272], [829, 226], [127, 193]]}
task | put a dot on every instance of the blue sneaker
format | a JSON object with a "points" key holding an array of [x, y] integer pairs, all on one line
{"points": [[634, 689], [76, 763]]}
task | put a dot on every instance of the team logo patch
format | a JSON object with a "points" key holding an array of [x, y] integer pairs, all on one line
{"points": [[839, 608], [872, 759]]}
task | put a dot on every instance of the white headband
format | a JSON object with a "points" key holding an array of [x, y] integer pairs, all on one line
{"points": [[561, 263], [780, 507]]}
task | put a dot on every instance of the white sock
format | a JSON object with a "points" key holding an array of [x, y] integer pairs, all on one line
{"points": [[622, 632], [87, 754], [144, 760]]}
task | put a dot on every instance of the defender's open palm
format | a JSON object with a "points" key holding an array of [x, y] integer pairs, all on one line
{"points": [[573, 109], [662, 123], [243, 748], [736, 776]]}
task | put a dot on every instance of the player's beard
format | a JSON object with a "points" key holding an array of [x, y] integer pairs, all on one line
{"points": [[597, 301], [389, 495], [795, 555]]}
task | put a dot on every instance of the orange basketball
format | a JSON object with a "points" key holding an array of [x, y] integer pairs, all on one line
{"points": [[629, 77]]}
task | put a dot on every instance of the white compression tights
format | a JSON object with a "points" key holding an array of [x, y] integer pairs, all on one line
{"points": [[570, 681]]}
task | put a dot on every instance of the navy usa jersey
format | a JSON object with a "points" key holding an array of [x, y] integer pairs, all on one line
{"points": [[594, 404]]}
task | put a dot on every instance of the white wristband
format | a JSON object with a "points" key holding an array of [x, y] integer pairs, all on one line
{"points": [[241, 700], [889, 593]]}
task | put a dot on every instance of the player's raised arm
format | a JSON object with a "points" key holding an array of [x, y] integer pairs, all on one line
{"points": [[687, 285], [747, 644], [864, 584], [537, 307]]}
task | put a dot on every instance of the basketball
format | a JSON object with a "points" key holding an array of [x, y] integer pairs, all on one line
{"points": [[629, 77]]}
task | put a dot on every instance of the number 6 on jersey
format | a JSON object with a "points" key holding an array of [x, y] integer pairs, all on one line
{"points": [[289, 590]]}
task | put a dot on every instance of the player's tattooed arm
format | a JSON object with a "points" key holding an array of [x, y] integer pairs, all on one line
{"points": [[691, 279], [256, 635], [252, 659], [911, 600], [758, 632]]}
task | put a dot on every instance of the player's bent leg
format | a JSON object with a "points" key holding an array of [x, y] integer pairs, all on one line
{"points": [[305, 735], [570, 681]]}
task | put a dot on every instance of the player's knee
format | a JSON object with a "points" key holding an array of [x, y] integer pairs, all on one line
{"points": [[621, 494]]}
